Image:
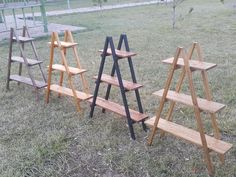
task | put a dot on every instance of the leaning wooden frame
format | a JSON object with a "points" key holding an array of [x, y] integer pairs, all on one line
{"points": [[12, 7]]}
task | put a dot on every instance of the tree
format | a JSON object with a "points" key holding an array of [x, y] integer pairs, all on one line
{"points": [[175, 3], [99, 2]]}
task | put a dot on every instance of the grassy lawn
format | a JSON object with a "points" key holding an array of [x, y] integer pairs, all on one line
{"points": [[62, 5], [43, 140]]}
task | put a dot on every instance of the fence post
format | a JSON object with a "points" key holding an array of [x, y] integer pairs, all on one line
{"points": [[1, 21], [44, 16]]}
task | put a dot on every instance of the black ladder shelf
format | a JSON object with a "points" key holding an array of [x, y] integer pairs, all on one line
{"points": [[131, 115], [23, 60]]}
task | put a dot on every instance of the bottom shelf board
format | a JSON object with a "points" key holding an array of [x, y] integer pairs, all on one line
{"points": [[191, 135], [68, 92], [119, 109], [28, 81]]}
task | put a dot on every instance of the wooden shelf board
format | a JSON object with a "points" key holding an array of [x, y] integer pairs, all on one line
{"points": [[23, 39], [191, 135], [120, 53], [114, 107], [72, 70], [205, 105], [114, 81], [21, 60], [26, 80], [64, 44], [68, 92], [194, 64]]}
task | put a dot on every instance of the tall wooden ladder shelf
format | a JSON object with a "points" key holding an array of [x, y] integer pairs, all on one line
{"points": [[23, 60], [207, 143], [63, 47], [117, 54]]}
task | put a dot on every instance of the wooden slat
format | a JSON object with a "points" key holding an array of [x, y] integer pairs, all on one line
{"points": [[114, 107], [120, 53], [205, 105], [21, 60], [194, 64], [26, 80], [23, 39], [114, 81], [193, 136], [68, 92], [72, 70], [64, 44]]}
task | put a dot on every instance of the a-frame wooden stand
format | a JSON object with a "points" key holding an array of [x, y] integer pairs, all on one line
{"points": [[23, 60], [63, 46], [207, 143], [117, 54]]}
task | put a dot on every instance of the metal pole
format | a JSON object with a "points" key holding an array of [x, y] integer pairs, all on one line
{"points": [[68, 4]]}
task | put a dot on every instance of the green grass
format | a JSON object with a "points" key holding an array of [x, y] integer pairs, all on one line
{"points": [[39, 139], [62, 5]]}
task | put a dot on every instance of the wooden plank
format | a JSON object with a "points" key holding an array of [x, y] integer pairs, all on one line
{"points": [[120, 53], [21, 60], [26, 80], [72, 70], [205, 105], [194, 64], [114, 107], [68, 92], [114, 81], [64, 44], [188, 134], [23, 39]]}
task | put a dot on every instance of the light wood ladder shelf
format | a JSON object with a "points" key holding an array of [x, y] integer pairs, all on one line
{"points": [[198, 137], [63, 47]]}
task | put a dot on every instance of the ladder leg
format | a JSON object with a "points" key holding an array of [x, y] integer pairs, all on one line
{"points": [[113, 71], [178, 87], [163, 99], [62, 74], [98, 81], [208, 95], [9, 59], [50, 67], [109, 87], [35, 54], [172, 103], [68, 36], [122, 90], [198, 118], [140, 107], [23, 47], [124, 38]]}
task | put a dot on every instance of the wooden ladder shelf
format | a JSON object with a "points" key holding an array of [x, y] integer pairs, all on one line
{"points": [[63, 47], [207, 143], [23, 60], [117, 54]]}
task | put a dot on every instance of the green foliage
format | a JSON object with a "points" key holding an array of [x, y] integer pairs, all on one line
{"points": [[100, 2]]}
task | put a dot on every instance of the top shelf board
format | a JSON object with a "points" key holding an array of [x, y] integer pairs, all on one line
{"points": [[120, 53], [64, 44], [194, 64], [23, 39]]}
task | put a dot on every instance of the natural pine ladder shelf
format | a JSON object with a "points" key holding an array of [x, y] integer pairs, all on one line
{"points": [[207, 143], [23, 60], [63, 46], [118, 54]]}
